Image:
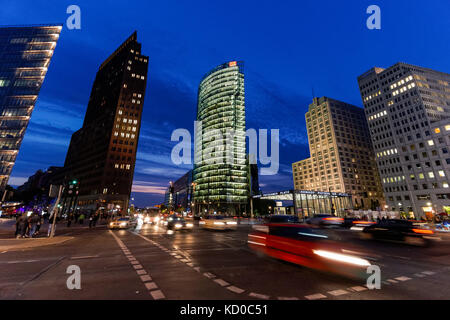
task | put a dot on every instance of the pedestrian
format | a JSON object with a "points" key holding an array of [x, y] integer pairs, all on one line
{"points": [[91, 220], [69, 220], [96, 217], [22, 225], [50, 225], [38, 225], [33, 220], [81, 218]]}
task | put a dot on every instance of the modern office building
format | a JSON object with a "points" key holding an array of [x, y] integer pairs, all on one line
{"points": [[25, 54], [102, 154], [221, 175], [408, 111], [342, 158], [179, 193]]}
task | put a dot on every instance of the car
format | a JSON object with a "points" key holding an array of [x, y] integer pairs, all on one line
{"points": [[325, 220], [123, 223], [218, 222], [398, 230], [279, 218], [175, 222], [309, 246]]}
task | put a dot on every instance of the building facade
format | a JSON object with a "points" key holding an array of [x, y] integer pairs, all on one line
{"points": [[102, 154], [221, 175], [342, 158], [25, 54], [408, 111], [179, 193]]}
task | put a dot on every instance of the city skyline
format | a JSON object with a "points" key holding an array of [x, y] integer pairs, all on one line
{"points": [[278, 93]]}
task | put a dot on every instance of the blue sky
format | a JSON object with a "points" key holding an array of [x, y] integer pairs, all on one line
{"points": [[289, 47]]}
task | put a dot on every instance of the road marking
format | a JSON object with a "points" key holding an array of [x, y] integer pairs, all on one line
{"points": [[259, 296], [146, 278], [358, 288], [197, 269], [429, 273], [235, 289], [419, 275], [392, 281], [157, 294], [209, 275], [288, 298], [402, 278], [386, 283], [316, 296], [190, 264], [151, 285], [338, 292], [83, 257], [178, 257], [26, 261], [221, 282]]}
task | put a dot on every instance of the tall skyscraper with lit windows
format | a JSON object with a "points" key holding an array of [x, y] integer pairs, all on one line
{"points": [[25, 54], [408, 111], [102, 154], [342, 157], [221, 171]]}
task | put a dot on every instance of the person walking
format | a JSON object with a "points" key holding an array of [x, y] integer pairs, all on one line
{"points": [[96, 217], [21, 223], [81, 218], [33, 221], [69, 219], [38, 225], [50, 224], [91, 220]]}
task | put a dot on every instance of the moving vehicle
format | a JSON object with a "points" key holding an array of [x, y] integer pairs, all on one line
{"points": [[175, 222], [325, 220], [123, 223], [398, 230], [279, 218], [218, 222], [309, 246]]}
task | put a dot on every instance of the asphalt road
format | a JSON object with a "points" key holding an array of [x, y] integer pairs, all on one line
{"points": [[152, 263]]}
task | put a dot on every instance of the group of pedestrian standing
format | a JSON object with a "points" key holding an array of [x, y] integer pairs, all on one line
{"points": [[28, 226]]}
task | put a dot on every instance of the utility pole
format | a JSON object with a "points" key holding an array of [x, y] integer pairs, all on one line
{"points": [[61, 188]]}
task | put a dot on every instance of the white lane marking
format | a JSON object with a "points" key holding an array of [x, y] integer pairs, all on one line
{"points": [[184, 260], [84, 257], [178, 257], [190, 264], [253, 236], [134, 262], [138, 266], [197, 269], [392, 281], [221, 282], [259, 296], [358, 288], [402, 278], [146, 278], [316, 296], [419, 275], [235, 289], [256, 243], [151, 285], [338, 292], [157, 294], [429, 273], [209, 275], [25, 261], [386, 283], [288, 298], [5, 251]]}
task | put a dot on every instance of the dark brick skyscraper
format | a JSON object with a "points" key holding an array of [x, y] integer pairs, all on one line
{"points": [[102, 154]]}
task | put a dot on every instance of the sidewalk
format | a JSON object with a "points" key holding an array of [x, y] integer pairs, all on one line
{"points": [[18, 244]]}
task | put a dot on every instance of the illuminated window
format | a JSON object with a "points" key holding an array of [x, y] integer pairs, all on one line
{"points": [[437, 130], [431, 174], [445, 185], [447, 127], [441, 173], [430, 142]]}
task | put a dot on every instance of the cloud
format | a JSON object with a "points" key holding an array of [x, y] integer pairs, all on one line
{"points": [[148, 187], [17, 181]]}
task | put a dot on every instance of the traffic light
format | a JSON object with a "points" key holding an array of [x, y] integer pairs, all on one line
{"points": [[74, 182]]}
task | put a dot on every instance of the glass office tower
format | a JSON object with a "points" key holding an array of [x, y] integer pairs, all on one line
{"points": [[25, 54], [221, 171]]}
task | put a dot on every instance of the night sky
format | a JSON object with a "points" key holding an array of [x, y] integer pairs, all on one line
{"points": [[289, 49]]}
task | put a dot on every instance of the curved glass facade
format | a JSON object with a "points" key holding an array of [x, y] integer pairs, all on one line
{"points": [[221, 170], [25, 54]]}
